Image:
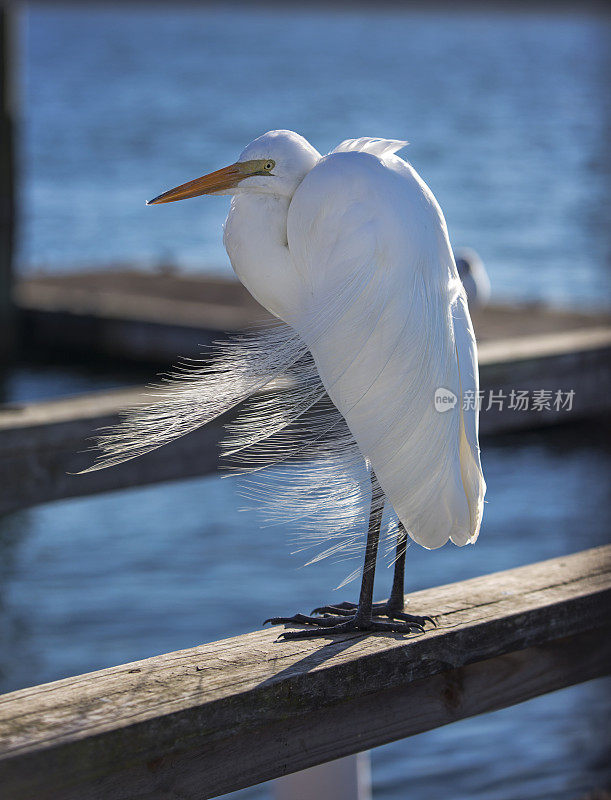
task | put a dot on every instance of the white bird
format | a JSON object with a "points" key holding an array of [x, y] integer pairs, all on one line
{"points": [[351, 252], [474, 277]]}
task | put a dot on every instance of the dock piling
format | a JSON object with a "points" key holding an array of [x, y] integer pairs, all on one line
{"points": [[7, 180]]}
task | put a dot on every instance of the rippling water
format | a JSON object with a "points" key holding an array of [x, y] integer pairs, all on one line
{"points": [[507, 115]]}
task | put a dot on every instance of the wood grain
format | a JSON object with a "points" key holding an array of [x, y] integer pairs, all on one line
{"points": [[220, 716]]}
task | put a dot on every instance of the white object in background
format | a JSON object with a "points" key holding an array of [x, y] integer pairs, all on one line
{"points": [[344, 779], [473, 276]]}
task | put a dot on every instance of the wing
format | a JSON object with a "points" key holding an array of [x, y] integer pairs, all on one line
{"points": [[384, 317], [468, 373]]}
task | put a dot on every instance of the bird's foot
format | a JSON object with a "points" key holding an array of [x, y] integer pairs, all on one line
{"points": [[388, 609], [343, 623]]}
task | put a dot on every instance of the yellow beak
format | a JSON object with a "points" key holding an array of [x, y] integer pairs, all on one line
{"points": [[225, 178]]}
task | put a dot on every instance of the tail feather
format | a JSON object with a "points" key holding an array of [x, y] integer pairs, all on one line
{"points": [[293, 451], [196, 393]]}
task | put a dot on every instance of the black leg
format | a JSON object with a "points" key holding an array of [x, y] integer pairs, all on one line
{"points": [[396, 601], [394, 607], [360, 617], [363, 613]]}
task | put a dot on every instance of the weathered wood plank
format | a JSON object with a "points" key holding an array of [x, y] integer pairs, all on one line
{"points": [[42, 443], [125, 313], [573, 361], [220, 716], [131, 315]]}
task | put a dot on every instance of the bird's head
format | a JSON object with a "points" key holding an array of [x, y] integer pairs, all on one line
{"points": [[275, 163]]}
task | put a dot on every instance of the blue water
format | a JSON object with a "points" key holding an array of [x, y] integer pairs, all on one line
{"points": [[506, 114]]}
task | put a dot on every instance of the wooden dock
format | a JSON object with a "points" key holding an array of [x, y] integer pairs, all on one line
{"points": [[115, 313], [144, 316], [221, 716]]}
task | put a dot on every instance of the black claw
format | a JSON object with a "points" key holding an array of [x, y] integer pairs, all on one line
{"points": [[307, 634], [343, 618], [421, 621], [340, 625], [378, 610], [300, 619], [332, 624], [337, 610]]}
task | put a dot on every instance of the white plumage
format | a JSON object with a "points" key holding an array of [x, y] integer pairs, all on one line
{"points": [[351, 251], [365, 275]]}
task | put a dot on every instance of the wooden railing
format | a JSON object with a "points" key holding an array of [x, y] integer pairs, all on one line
{"points": [[41, 443], [221, 716]]}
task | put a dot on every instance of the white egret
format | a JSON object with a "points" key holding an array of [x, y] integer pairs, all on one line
{"points": [[351, 252]]}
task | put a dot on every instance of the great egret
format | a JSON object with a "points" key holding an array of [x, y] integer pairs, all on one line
{"points": [[351, 251]]}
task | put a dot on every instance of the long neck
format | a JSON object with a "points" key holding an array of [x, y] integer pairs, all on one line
{"points": [[256, 242]]}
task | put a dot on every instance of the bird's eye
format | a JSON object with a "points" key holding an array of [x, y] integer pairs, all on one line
{"points": [[269, 165]]}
